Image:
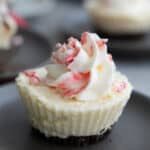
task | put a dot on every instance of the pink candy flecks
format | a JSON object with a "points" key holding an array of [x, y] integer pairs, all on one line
{"points": [[61, 56], [84, 38], [110, 57], [101, 43], [119, 87], [33, 78], [72, 84]]}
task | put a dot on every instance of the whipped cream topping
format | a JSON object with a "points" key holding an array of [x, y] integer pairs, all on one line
{"points": [[8, 27], [81, 69]]}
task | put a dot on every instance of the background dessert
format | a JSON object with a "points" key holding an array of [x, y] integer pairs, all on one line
{"points": [[75, 97], [120, 17], [9, 41]]}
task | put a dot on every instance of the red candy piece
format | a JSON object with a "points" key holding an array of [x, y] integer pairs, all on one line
{"points": [[72, 84], [70, 57], [21, 22], [84, 38], [66, 52], [34, 79], [101, 43], [119, 87], [110, 57], [72, 42], [29, 73]]}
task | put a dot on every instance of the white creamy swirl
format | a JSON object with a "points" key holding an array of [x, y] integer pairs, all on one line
{"points": [[82, 70]]}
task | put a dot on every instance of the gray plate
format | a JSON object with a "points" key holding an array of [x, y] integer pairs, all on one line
{"points": [[131, 132], [34, 51]]}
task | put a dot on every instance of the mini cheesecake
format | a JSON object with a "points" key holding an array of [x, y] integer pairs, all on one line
{"points": [[75, 98]]}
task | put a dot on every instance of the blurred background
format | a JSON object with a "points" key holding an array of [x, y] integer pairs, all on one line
{"points": [[40, 24]]}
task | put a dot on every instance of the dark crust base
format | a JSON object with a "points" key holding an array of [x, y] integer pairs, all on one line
{"points": [[72, 140]]}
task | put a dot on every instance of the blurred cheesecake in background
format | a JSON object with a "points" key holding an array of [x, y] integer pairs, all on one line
{"points": [[120, 16], [8, 27], [9, 40]]}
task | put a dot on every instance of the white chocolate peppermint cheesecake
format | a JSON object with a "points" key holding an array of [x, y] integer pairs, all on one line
{"points": [[80, 94], [120, 16]]}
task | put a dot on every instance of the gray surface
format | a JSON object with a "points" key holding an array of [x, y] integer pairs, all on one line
{"points": [[33, 8]]}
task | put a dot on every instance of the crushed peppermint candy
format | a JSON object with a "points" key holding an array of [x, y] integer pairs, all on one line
{"points": [[33, 77], [110, 57], [71, 84], [119, 87], [63, 56], [101, 43], [84, 37]]}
